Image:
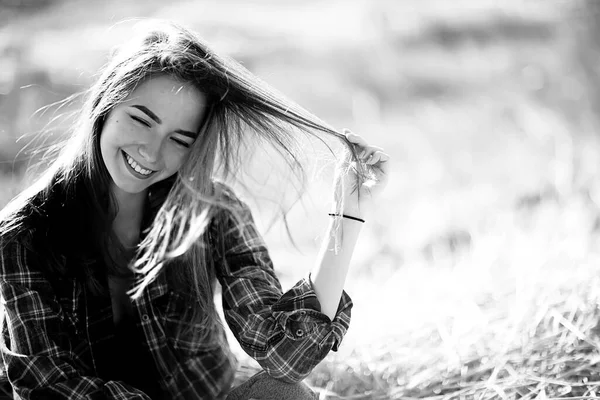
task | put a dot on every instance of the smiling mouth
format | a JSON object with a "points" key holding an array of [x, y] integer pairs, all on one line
{"points": [[136, 169]]}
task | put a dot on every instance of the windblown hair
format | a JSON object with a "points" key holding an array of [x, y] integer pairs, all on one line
{"points": [[241, 108]]}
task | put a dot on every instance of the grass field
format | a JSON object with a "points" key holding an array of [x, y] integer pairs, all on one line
{"points": [[478, 278]]}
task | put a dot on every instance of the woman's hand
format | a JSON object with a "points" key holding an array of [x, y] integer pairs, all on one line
{"points": [[358, 201]]}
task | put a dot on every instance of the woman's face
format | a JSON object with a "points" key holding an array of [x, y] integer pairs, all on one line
{"points": [[146, 138]]}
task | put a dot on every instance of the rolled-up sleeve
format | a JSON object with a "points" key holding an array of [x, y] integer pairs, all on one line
{"points": [[286, 333]]}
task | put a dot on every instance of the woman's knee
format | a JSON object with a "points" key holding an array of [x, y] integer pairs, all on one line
{"points": [[263, 387]]}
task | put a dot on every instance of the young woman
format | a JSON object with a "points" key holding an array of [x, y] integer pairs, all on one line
{"points": [[108, 263]]}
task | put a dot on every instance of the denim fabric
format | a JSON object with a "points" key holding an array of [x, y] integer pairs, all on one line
{"points": [[262, 387]]}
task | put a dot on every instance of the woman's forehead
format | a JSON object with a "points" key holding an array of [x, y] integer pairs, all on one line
{"points": [[168, 97], [166, 87]]}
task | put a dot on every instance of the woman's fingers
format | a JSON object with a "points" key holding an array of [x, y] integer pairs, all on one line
{"points": [[368, 154], [378, 157], [354, 138], [370, 150], [374, 159]]}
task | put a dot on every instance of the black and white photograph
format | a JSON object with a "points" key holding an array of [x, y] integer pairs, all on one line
{"points": [[299, 200]]}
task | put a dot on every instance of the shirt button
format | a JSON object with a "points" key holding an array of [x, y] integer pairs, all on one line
{"points": [[145, 317], [299, 332]]}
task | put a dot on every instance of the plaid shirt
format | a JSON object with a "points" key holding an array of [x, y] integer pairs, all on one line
{"points": [[57, 337]]}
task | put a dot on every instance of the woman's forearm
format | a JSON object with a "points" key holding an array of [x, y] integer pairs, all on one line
{"points": [[331, 267]]}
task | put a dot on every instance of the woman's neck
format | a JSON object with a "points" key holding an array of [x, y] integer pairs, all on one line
{"points": [[128, 219]]}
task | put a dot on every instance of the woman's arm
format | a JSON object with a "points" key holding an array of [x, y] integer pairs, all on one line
{"points": [[288, 333], [285, 332], [331, 269], [333, 262]]}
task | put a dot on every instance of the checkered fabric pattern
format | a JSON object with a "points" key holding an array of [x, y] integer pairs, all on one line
{"points": [[56, 334]]}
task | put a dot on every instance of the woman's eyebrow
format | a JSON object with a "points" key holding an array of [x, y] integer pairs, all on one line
{"points": [[157, 119], [149, 113]]}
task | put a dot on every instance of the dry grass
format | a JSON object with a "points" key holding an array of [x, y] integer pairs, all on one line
{"points": [[551, 348], [514, 317]]}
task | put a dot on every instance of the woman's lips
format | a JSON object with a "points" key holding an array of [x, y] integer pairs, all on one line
{"points": [[132, 170]]}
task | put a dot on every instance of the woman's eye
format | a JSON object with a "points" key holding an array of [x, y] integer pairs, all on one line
{"points": [[140, 120], [181, 142]]}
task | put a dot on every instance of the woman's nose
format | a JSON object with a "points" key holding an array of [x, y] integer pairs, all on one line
{"points": [[150, 152]]}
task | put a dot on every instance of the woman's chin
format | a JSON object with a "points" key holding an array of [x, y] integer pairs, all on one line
{"points": [[130, 188]]}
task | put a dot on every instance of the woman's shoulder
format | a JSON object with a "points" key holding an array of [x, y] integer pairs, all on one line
{"points": [[26, 225], [28, 251], [23, 265], [18, 225], [25, 213], [224, 193], [230, 205], [15, 253]]}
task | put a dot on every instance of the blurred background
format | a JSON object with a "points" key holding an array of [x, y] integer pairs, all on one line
{"points": [[479, 274]]}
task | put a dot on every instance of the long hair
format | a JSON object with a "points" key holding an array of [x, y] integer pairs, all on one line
{"points": [[241, 108]]}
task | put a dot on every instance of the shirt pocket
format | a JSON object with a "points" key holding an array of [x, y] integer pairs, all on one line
{"points": [[185, 336]]}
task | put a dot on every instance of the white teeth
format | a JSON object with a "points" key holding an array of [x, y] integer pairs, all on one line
{"points": [[136, 166]]}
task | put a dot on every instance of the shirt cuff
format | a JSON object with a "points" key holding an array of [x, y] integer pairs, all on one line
{"points": [[299, 313]]}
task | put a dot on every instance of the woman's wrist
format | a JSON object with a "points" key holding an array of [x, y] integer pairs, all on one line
{"points": [[355, 201], [352, 210], [357, 206], [350, 217], [351, 207]]}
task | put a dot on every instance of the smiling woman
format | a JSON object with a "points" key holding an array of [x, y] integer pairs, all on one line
{"points": [[146, 138], [108, 262]]}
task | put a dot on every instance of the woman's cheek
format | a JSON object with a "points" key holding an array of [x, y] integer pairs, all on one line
{"points": [[176, 159]]}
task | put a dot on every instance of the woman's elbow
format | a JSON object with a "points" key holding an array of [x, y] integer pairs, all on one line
{"points": [[287, 375], [292, 367]]}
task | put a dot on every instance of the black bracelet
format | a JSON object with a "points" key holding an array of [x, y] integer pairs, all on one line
{"points": [[347, 216]]}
